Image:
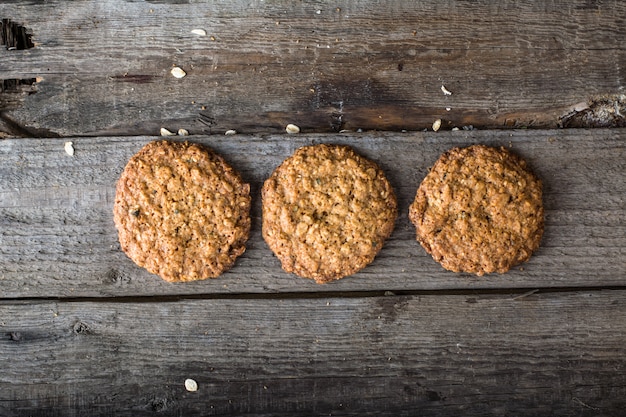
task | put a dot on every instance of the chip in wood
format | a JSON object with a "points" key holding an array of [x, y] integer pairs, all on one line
{"points": [[291, 129], [191, 385], [178, 72], [69, 148]]}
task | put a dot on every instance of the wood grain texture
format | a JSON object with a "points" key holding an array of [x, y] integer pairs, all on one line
{"points": [[546, 354], [57, 237], [104, 66]]}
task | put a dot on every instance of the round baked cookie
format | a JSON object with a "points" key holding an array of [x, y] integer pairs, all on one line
{"points": [[181, 211], [479, 210], [327, 212]]}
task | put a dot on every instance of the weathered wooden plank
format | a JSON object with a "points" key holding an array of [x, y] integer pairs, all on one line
{"points": [[57, 236], [544, 354], [356, 64]]}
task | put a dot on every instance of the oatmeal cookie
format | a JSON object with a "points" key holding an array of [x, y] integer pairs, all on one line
{"points": [[181, 211], [327, 212], [479, 210]]}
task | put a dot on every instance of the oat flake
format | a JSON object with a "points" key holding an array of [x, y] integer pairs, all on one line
{"points": [[191, 385], [291, 129], [178, 72], [69, 148], [436, 125]]}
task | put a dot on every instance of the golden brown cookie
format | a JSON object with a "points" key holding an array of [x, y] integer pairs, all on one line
{"points": [[181, 211], [479, 210], [327, 212]]}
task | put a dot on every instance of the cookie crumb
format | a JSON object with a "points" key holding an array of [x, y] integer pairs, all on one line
{"points": [[436, 125], [446, 91], [183, 132]]}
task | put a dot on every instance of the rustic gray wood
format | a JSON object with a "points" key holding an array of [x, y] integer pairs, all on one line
{"points": [[432, 355], [57, 237], [104, 66]]}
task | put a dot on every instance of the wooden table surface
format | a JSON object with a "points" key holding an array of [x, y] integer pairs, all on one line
{"points": [[85, 332]]}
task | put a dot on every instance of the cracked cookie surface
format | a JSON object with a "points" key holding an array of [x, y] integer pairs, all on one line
{"points": [[327, 212], [479, 210], [181, 211]]}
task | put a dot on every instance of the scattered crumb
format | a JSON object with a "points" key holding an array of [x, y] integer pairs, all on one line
{"points": [[178, 72], [183, 132], [199, 32], [191, 385], [445, 91], [455, 129], [436, 125], [230, 132], [448, 109], [212, 38], [165, 132], [291, 129], [318, 12], [69, 148]]}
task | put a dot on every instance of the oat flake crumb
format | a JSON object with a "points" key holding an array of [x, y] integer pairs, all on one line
{"points": [[436, 125], [199, 32], [230, 132], [183, 132], [165, 132], [445, 91], [178, 72], [291, 129], [69, 148], [191, 385]]}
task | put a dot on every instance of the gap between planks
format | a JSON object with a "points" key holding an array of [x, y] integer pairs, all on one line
{"points": [[514, 294]]}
